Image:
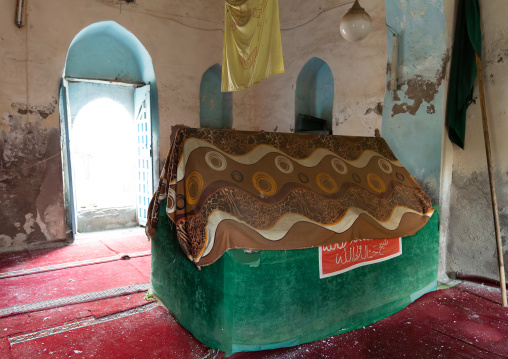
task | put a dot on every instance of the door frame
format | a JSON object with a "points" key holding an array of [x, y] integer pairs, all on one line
{"points": [[65, 127]]}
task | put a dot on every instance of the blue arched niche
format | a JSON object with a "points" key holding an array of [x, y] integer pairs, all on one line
{"points": [[314, 96], [107, 51], [216, 107]]}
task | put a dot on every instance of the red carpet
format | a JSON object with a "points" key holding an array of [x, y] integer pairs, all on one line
{"points": [[153, 334], [72, 281], [49, 318], [5, 349], [464, 321], [85, 250]]}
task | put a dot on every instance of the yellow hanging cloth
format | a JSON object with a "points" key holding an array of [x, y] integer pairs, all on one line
{"points": [[252, 43]]}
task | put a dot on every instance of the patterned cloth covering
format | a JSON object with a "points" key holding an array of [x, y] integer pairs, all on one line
{"points": [[278, 191]]}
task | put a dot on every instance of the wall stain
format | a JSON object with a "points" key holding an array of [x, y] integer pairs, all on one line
{"points": [[118, 2], [30, 177], [42, 111], [467, 238], [420, 90], [378, 109]]}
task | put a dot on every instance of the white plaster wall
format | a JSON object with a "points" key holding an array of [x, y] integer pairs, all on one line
{"points": [[311, 29], [183, 38], [471, 239]]}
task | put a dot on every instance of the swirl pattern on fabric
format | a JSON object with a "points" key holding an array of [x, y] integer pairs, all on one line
{"points": [[258, 190]]}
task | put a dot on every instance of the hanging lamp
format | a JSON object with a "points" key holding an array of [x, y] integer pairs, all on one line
{"points": [[356, 24]]}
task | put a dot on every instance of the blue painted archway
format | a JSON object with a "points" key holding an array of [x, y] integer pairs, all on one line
{"points": [[216, 107], [107, 51], [314, 93]]}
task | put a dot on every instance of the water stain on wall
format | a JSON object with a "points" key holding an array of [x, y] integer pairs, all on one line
{"points": [[420, 89], [471, 244], [378, 109], [30, 180], [39, 111]]}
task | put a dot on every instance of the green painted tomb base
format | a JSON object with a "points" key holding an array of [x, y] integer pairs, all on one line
{"points": [[272, 299]]}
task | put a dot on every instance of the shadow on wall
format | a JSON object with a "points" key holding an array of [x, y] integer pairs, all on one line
{"points": [[216, 107], [314, 98]]}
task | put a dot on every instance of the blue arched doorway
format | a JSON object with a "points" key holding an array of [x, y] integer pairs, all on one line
{"points": [[109, 120], [216, 107], [314, 98]]}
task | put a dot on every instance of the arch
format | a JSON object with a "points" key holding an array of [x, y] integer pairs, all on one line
{"points": [[216, 107], [106, 61], [107, 51], [314, 96]]}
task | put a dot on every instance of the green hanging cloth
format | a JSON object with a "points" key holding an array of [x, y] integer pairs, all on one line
{"points": [[467, 42]]}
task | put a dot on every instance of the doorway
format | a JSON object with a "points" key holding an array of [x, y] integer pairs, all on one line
{"points": [[109, 123], [110, 149]]}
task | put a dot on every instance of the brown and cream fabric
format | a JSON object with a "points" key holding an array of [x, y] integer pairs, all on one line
{"points": [[276, 191]]}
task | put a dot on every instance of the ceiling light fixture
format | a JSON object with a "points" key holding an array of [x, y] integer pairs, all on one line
{"points": [[356, 24]]}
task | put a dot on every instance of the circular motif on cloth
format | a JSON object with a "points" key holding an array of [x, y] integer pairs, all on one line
{"points": [[264, 183], [326, 183], [400, 176], [284, 164], [357, 178], [162, 190], [171, 205], [237, 176], [385, 166], [193, 187], [376, 183], [303, 177], [180, 202], [339, 166], [216, 160]]}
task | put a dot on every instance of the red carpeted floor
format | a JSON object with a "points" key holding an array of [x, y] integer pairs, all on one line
{"points": [[83, 301]]}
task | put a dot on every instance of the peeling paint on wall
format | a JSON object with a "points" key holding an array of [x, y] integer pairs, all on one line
{"points": [[378, 109], [413, 114], [30, 180], [42, 111], [33, 60], [420, 89]]}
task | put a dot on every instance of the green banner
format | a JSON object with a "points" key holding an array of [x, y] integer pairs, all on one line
{"points": [[467, 42]]}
